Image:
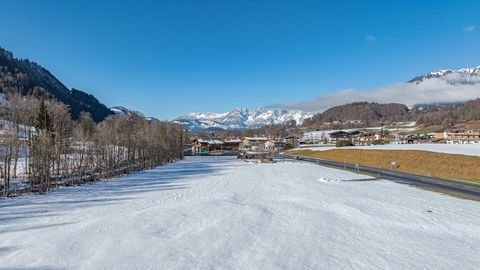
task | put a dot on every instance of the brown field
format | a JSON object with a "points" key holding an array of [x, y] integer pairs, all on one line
{"points": [[423, 130], [473, 124], [448, 166]]}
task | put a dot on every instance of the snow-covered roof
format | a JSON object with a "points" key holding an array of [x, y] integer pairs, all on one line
{"points": [[233, 141], [210, 141], [256, 138]]}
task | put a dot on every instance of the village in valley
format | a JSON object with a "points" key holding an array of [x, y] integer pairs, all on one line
{"points": [[265, 147], [239, 135]]}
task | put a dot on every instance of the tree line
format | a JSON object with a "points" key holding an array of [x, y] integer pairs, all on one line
{"points": [[373, 114], [447, 116], [288, 128], [41, 144], [368, 114]]}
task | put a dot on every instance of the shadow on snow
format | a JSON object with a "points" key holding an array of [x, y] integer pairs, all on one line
{"points": [[16, 213]]}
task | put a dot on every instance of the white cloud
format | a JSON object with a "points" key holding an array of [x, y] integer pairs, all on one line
{"points": [[468, 29], [370, 38], [429, 91]]}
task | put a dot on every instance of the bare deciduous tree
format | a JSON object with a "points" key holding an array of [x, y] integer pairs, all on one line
{"points": [[60, 151]]}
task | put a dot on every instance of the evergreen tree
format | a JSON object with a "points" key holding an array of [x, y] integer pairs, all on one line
{"points": [[42, 121]]}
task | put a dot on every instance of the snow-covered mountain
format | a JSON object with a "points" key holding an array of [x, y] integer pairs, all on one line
{"points": [[452, 76], [122, 111], [241, 118]]}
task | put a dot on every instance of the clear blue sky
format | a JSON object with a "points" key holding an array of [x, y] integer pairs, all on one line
{"points": [[167, 58]]}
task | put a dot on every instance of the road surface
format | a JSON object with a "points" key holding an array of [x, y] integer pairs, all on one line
{"points": [[448, 186]]}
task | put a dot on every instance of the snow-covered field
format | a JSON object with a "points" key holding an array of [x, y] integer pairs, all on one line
{"points": [[462, 149], [220, 213]]}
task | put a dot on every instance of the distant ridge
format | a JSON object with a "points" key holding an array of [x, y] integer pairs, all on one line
{"points": [[367, 114], [452, 76], [240, 118], [27, 77]]}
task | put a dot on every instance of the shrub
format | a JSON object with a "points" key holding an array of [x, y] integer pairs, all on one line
{"points": [[288, 147], [344, 143]]}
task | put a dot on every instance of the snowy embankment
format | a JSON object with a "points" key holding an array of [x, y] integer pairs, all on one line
{"points": [[462, 149], [220, 213]]}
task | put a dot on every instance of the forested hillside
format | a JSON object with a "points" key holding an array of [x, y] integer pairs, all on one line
{"points": [[449, 115], [364, 114], [29, 78]]}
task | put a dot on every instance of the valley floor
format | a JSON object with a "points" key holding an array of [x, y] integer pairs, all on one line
{"points": [[220, 213]]}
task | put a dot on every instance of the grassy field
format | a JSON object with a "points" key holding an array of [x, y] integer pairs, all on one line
{"points": [[448, 166]]}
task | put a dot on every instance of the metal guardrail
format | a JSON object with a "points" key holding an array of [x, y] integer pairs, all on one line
{"points": [[439, 184]]}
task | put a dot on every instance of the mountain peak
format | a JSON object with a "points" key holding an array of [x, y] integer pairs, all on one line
{"points": [[241, 118], [240, 109], [469, 75]]}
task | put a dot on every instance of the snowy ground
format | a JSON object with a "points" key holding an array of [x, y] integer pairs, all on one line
{"points": [[220, 213], [463, 149]]}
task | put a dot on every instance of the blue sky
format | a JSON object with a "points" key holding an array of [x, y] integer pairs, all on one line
{"points": [[168, 58]]}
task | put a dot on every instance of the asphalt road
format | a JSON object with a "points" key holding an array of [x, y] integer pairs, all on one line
{"points": [[442, 185]]}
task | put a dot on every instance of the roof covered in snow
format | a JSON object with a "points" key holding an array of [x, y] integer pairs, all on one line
{"points": [[256, 138], [210, 141]]}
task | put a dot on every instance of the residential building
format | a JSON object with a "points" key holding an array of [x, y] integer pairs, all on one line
{"points": [[204, 146], [365, 138], [292, 140], [275, 145], [343, 135], [253, 143], [462, 136], [231, 144]]}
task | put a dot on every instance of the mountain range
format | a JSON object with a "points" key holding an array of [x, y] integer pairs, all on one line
{"points": [[241, 118], [369, 112], [452, 76], [29, 78]]}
